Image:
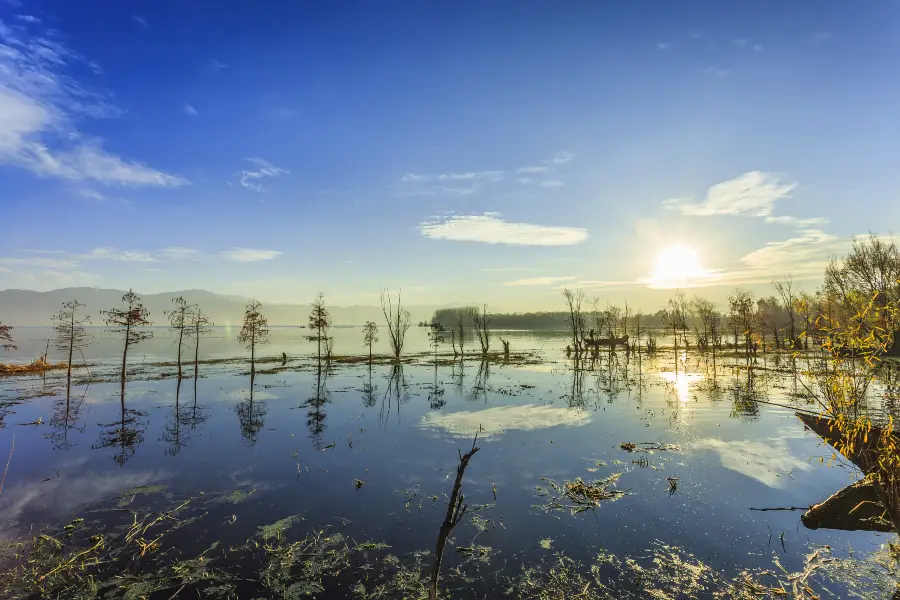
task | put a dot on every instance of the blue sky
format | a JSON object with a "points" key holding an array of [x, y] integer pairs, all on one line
{"points": [[463, 151]]}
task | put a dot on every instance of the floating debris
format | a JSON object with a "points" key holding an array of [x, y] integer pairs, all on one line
{"points": [[581, 495]]}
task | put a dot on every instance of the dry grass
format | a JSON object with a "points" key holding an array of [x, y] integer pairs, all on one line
{"points": [[38, 365]]}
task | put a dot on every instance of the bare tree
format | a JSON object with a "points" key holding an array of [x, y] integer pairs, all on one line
{"points": [[788, 293], [676, 315], [398, 321], [320, 321], [180, 323], [456, 510], [6, 336], [742, 316], [200, 325], [708, 317], [482, 323], [130, 324], [575, 320], [71, 335], [254, 332], [459, 331], [370, 336]]}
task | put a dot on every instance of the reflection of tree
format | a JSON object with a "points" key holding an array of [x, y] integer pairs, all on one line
{"points": [[396, 393], [459, 376], [436, 394], [127, 433], [181, 424], [480, 387], [369, 390], [745, 396], [65, 417], [251, 416], [315, 416], [197, 415], [574, 396]]}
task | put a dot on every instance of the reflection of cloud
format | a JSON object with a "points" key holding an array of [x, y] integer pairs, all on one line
{"points": [[63, 497], [241, 394], [761, 460], [496, 421]]}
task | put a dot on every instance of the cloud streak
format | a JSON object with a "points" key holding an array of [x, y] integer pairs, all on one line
{"points": [[489, 228], [250, 254], [39, 103], [537, 281], [253, 179]]}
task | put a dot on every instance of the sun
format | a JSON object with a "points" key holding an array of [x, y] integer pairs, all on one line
{"points": [[678, 265]]}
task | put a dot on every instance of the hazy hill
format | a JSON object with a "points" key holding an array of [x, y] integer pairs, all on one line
{"points": [[26, 307]]}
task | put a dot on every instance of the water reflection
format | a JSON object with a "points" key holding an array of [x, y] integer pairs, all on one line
{"points": [[251, 416], [395, 395], [493, 422], [65, 417], [315, 405], [767, 461]]}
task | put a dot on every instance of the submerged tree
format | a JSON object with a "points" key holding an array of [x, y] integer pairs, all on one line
{"points": [[398, 322], [254, 332], [130, 323], [789, 297], [180, 324], [459, 332], [574, 319], [200, 325], [370, 336], [320, 321], [6, 336], [71, 335], [482, 324], [742, 317]]}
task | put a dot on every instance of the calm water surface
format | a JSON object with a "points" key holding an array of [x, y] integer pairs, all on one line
{"points": [[301, 437]]}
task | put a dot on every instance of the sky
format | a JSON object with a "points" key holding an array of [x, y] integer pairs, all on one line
{"points": [[466, 152]]}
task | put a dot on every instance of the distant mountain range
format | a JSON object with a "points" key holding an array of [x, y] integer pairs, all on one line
{"points": [[26, 307]]}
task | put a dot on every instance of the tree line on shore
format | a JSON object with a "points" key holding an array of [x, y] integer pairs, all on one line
{"points": [[790, 318]]}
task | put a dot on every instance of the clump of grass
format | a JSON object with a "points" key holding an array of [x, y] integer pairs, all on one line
{"points": [[581, 495], [38, 365]]}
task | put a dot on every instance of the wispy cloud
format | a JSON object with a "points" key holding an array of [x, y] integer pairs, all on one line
{"points": [[537, 281], [822, 36], [28, 18], [265, 170], [39, 103], [91, 194], [190, 110], [752, 194], [119, 255], [464, 183], [178, 253], [489, 228], [717, 71], [250, 254], [664, 46], [141, 21], [797, 221]]}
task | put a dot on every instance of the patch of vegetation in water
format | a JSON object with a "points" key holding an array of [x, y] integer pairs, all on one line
{"points": [[579, 495]]}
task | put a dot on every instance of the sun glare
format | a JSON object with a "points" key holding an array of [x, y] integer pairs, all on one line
{"points": [[678, 265]]}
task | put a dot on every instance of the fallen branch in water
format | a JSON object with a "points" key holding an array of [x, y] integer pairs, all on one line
{"points": [[455, 511], [782, 508], [2, 481]]}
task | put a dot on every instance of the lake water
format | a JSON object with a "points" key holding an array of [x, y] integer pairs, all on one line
{"points": [[371, 452]]}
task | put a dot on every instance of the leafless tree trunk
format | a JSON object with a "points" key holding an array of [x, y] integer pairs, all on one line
{"points": [[455, 512], [398, 321], [575, 318], [482, 323]]}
